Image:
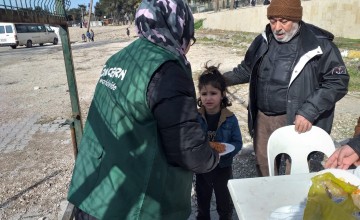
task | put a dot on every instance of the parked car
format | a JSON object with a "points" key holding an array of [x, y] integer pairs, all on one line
{"points": [[15, 34]]}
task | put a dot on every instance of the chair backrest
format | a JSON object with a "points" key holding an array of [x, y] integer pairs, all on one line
{"points": [[298, 146]]}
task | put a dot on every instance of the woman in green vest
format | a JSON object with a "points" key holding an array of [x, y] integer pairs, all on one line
{"points": [[142, 141]]}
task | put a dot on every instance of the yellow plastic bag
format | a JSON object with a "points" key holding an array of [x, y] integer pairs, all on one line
{"points": [[329, 198]]}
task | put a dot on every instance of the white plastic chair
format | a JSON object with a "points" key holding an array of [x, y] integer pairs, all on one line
{"points": [[298, 146]]}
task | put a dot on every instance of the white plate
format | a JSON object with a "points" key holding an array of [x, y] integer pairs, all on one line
{"points": [[228, 148], [344, 175]]}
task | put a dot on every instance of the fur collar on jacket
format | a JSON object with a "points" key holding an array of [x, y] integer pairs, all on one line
{"points": [[225, 113]]}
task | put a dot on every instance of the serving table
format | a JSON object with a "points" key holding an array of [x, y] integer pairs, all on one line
{"points": [[256, 198]]}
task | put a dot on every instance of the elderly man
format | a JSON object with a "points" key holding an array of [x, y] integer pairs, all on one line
{"points": [[296, 76]]}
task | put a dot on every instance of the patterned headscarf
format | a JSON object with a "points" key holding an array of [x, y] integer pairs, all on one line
{"points": [[167, 23]]}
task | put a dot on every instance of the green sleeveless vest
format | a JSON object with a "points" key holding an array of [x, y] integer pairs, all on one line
{"points": [[121, 171]]}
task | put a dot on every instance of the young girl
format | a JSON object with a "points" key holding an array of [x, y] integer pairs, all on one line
{"points": [[221, 126]]}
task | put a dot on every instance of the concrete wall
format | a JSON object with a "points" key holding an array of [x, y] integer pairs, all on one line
{"points": [[340, 17]]}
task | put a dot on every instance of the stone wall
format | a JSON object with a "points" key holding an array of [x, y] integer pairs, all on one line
{"points": [[341, 17]]}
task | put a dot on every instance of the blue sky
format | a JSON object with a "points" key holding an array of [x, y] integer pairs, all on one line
{"points": [[75, 3]]}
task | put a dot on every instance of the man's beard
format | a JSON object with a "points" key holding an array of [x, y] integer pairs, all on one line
{"points": [[287, 35]]}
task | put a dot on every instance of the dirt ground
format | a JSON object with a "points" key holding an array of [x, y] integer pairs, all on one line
{"points": [[36, 153]]}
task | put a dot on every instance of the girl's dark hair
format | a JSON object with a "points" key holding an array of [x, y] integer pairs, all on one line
{"points": [[212, 76]]}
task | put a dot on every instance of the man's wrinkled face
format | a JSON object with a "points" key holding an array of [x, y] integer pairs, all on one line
{"points": [[283, 29]]}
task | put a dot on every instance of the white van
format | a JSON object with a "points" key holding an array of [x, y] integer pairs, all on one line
{"points": [[13, 35]]}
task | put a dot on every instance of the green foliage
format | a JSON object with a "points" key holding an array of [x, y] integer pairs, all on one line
{"points": [[111, 8], [352, 64], [198, 24], [202, 1], [38, 9], [346, 43], [99, 11], [119, 6], [353, 68], [74, 14]]}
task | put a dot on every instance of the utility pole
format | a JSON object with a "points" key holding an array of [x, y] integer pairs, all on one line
{"points": [[90, 11]]}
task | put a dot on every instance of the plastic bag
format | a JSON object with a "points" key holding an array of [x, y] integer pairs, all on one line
{"points": [[329, 198]]}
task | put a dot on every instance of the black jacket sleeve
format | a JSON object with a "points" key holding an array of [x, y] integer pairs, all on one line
{"points": [[171, 98], [239, 75], [354, 143]]}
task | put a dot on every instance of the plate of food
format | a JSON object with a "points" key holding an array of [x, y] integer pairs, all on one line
{"points": [[344, 175], [222, 148]]}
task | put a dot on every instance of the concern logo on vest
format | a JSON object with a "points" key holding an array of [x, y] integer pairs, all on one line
{"points": [[113, 72]]}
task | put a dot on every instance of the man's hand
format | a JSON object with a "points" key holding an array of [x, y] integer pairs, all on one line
{"points": [[302, 124], [343, 158]]}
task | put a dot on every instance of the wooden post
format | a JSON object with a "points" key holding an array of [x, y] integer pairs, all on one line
{"points": [[232, 4], [90, 11]]}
